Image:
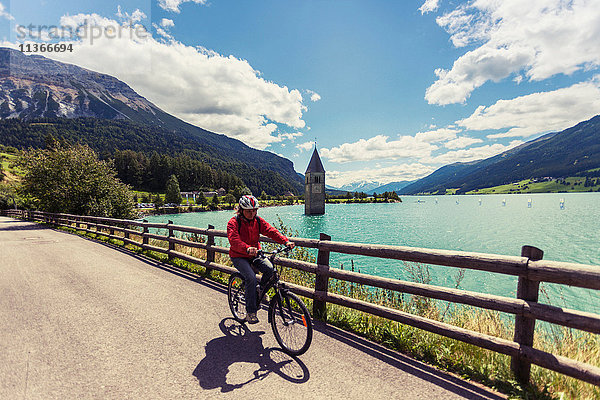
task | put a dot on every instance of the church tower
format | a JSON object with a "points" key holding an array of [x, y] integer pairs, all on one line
{"points": [[314, 186]]}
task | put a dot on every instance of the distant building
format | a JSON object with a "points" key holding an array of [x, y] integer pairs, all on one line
{"points": [[314, 186]]}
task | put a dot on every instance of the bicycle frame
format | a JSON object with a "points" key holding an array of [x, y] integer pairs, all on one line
{"points": [[274, 283]]}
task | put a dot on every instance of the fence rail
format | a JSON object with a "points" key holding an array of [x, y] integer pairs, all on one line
{"points": [[530, 269]]}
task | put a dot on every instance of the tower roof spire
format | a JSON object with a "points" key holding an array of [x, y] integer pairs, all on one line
{"points": [[315, 164]]}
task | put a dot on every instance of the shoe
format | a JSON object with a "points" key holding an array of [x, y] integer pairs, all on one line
{"points": [[251, 318]]}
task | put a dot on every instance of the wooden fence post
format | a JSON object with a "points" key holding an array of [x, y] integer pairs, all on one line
{"points": [[171, 243], [144, 232], [527, 290], [321, 281], [210, 252]]}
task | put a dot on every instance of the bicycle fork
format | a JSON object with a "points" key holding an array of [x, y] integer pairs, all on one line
{"points": [[277, 304]]}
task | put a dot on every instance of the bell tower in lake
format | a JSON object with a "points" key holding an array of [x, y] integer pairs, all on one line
{"points": [[314, 186]]}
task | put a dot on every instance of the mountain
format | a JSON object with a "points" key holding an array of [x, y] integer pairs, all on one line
{"points": [[370, 187], [574, 151], [390, 187], [34, 87], [360, 186]]}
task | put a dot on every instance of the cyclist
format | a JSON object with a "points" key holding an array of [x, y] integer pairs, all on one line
{"points": [[243, 232]]}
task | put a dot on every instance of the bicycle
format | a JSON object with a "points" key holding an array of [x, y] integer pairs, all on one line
{"points": [[288, 315]]}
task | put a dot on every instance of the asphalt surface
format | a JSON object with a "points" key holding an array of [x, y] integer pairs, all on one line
{"points": [[81, 319]]}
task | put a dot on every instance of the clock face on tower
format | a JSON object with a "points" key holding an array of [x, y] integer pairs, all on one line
{"points": [[316, 189]]}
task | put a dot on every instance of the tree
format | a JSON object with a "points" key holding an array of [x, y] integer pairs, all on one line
{"points": [[200, 199], [158, 201], [229, 199], [172, 192], [215, 199], [73, 180], [237, 192], [8, 196]]}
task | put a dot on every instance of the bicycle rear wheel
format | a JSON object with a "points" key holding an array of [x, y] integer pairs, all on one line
{"points": [[236, 295], [291, 323]]}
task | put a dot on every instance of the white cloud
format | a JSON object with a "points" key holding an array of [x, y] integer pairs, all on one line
{"points": [[306, 146], [466, 25], [378, 148], [461, 142], [314, 96], [132, 18], [437, 135], [173, 5], [540, 38], [162, 28], [472, 154], [167, 23], [290, 136], [162, 32], [429, 6], [538, 112], [396, 173], [473, 70], [223, 94], [5, 14]]}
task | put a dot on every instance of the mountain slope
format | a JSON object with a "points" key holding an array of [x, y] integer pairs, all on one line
{"points": [[33, 87], [360, 186], [390, 187], [567, 153]]}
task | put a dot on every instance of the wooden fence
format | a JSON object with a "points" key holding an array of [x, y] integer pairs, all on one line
{"points": [[530, 268]]}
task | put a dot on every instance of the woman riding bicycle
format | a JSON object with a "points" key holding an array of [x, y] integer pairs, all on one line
{"points": [[243, 232]]}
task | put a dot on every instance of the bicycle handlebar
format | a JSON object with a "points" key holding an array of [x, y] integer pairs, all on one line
{"points": [[262, 253]]}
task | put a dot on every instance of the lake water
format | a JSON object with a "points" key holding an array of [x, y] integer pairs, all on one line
{"points": [[499, 224]]}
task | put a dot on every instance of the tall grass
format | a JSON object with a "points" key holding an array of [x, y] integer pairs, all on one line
{"points": [[485, 366]]}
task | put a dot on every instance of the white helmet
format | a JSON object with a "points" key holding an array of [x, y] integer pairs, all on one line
{"points": [[248, 202]]}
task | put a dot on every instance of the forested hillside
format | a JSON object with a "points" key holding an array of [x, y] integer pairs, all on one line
{"points": [[145, 156]]}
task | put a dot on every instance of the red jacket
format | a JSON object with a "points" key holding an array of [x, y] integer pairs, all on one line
{"points": [[248, 235]]}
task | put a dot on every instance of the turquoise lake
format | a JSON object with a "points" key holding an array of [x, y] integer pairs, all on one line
{"points": [[564, 225]]}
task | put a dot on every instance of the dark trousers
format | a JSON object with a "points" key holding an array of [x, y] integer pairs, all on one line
{"points": [[243, 265]]}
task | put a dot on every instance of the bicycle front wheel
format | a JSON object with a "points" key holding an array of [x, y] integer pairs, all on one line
{"points": [[291, 323], [236, 295]]}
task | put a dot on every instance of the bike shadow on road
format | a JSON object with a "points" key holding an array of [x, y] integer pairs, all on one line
{"points": [[466, 389], [241, 345]]}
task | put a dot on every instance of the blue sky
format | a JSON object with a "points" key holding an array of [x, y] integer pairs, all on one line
{"points": [[390, 90]]}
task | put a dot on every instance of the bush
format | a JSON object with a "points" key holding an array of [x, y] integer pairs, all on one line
{"points": [[73, 180]]}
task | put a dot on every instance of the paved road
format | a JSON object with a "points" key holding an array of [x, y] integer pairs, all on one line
{"points": [[84, 320]]}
